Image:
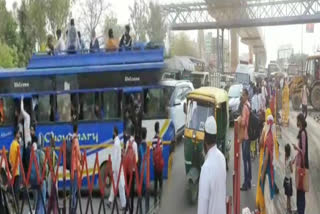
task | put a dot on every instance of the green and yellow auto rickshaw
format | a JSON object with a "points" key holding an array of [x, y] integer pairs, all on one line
{"points": [[202, 103]]}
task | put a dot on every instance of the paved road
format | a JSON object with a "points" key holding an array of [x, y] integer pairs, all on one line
{"points": [[174, 197]]}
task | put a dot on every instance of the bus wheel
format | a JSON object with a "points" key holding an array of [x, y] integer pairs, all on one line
{"points": [[105, 176]]}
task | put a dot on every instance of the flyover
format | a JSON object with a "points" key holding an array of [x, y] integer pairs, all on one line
{"points": [[243, 18]]}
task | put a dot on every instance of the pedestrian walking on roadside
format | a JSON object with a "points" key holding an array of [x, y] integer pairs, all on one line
{"points": [[268, 142], [52, 186], [244, 123], [287, 182], [285, 105], [130, 161], [75, 165], [116, 161], [144, 166], [304, 96], [302, 159], [158, 162], [255, 110], [212, 185], [13, 158], [39, 190]]}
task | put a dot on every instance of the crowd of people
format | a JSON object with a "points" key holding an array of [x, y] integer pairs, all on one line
{"points": [[132, 153], [269, 102], [263, 107], [26, 142], [71, 42]]}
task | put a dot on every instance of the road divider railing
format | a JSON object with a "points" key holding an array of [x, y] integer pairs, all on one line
{"points": [[82, 174]]}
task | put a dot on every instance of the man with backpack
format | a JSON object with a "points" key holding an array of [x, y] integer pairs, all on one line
{"points": [[244, 125], [130, 160], [157, 161]]}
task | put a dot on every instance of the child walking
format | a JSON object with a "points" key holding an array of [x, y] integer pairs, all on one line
{"points": [[287, 183]]}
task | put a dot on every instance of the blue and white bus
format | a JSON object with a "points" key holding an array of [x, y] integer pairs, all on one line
{"points": [[94, 90]]}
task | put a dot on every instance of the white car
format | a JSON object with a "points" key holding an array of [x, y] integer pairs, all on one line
{"points": [[180, 90], [234, 95]]}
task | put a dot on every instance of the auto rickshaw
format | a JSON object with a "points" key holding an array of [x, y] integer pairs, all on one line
{"points": [[202, 103]]}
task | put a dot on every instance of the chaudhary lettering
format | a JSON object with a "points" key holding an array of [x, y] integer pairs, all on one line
{"points": [[87, 137]]}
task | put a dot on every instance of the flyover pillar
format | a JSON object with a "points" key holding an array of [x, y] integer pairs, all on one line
{"points": [[234, 49]]}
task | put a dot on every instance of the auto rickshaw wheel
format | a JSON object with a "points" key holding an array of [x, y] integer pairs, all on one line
{"points": [[192, 191]]}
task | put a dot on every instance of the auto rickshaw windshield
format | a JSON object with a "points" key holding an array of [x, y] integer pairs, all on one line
{"points": [[197, 114]]}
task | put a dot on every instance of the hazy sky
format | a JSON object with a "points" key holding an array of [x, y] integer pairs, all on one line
{"points": [[274, 36]]}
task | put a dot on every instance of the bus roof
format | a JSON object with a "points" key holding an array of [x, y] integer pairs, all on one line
{"points": [[94, 71], [42, 65]]}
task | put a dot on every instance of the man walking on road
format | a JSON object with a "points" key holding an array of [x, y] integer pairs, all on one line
{"points": [[157, 158], [76, 158], [244, 123], [116, 161], [212, 186]]}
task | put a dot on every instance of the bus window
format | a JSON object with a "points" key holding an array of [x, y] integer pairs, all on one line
{"points": [[64, 108], [75, 107], [111, 105], [87, 106], [6, 111], [44, 109], [155, 104]]}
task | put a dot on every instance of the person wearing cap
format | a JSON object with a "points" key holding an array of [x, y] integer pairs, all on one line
{"points": [[213, 174]]}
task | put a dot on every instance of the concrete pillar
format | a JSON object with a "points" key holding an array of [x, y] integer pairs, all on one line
{"points": [[250, 54], [234, 49]]}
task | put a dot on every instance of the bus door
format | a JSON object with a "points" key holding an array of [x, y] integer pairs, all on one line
{"points": [[132, 111]]}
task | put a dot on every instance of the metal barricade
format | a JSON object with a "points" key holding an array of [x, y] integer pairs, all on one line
{"points": [[82, 171]]}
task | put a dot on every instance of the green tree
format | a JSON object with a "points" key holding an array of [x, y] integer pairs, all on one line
{"points": [[8, 56], [156, 24], [112, 22], [92, 13], [57, 12], [183, 46], [139, 18], [8, 26]]}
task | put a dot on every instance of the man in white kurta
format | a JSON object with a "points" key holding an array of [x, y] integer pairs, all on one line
{"points": [[212, 187], [116, 161]]}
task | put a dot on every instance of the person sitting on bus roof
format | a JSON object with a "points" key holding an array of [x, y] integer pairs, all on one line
{"points": [[82, 44], [60, 45], [50, 47], [126, 40], [72, 38], [94, 43], [111, 42]]}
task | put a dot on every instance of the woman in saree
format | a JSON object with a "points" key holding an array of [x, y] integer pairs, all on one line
{"points": [[265, 161], [285, 104]]}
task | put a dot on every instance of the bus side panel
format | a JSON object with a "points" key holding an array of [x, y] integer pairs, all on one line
{"points": [[6, 137], [93, 137]]}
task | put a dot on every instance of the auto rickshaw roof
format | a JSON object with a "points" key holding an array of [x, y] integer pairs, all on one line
{"points": [[210, 94]]}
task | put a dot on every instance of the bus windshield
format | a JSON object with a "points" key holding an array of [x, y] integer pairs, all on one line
{"points": [[197, 115], [156, 102]]}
